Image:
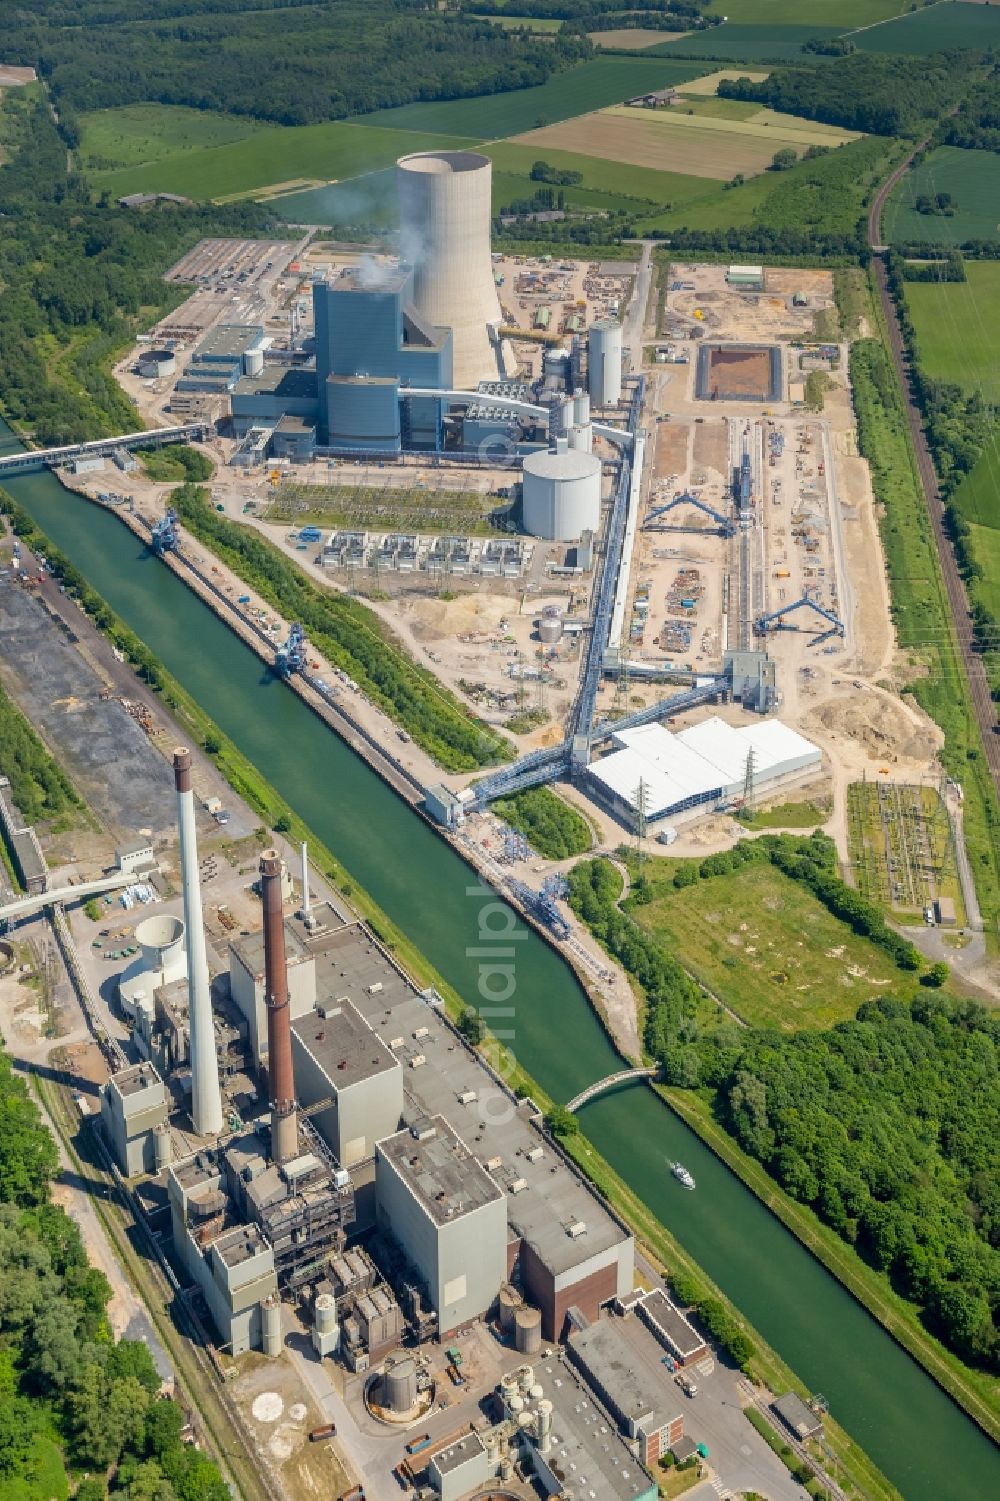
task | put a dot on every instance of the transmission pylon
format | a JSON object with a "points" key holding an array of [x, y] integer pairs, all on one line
{"points": [[748, 780], [640, 808]]}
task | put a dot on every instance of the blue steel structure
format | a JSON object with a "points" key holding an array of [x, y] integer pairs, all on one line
{"points": [[776, 620], [165, 535], [291, 654], [723, 524], [43, 458]]}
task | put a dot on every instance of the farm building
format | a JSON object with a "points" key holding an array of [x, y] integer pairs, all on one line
{"points": [[698, 768], [746, 278]]}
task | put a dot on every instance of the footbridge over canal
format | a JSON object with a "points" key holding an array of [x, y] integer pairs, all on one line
{"points": [[610, 1081]]}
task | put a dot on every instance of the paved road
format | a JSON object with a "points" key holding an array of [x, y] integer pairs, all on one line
{"points": [[634, 326]]}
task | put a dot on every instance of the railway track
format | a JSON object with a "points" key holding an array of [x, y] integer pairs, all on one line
{"points": [[958, 601]]}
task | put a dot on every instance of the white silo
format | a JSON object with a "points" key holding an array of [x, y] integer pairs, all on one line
{"points": [[604, 363], [444, 214], [581, 408], [561, 495]]}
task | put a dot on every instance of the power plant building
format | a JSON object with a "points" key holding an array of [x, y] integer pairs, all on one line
{"points": [[339, 1058], [705, 764], [634, 1389], [447, 1214], [133, 1107]]}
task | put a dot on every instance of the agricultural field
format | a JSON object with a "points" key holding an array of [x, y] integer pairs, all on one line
{"points": [[140, 133], [599, 175], [711, 81], [541, 24], [592, 85], [699, 145], [986, 549], [751, 44], [271, 155], [978, 498], [635, 39], [847, 13], [955, 324], [901, 848], [934, 29], [973, 180], [768, 948]]}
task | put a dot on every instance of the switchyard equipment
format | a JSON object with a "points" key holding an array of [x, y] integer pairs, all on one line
{"points": [[165, 535], [776, 621], [291, 655]]}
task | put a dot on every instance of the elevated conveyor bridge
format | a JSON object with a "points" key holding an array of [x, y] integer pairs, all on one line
{"points": [[46, 458]]}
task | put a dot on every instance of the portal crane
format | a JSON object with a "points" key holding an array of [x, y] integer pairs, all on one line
{"points": [[652, 523], [291, 655], [165, 535]]}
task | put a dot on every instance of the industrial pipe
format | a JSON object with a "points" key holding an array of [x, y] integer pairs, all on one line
{"points": [[280, 1079], [206, 1097]]}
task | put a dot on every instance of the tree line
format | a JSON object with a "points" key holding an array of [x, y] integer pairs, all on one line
{"points": [[878, 93], [78, 1410], [324, 61]]}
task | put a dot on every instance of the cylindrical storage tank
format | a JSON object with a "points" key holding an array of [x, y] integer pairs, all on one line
{"points": [[271, 1319], [581, 408], [544, 1422], [550, 630], [444, 233], [399, 1385], [528, 1332], [508, 1382], [604, 363], [506, 1470], [525, 1375], [537, 1392], [581, 439], [253, 362], [163, 1147], [526, 1421], [155, 363], [561, 495], [325, 1311], [510, 1300], [516, 1404], [162, 941]]}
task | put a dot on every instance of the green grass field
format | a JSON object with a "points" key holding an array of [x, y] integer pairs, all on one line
{"points": [[768, 948], [592, 85], [274, 154], [956, 324], [138, 133], [978, 497], [934, 30], [973, 180], [986, 547], [845, 13], [514, 23], [749, 44]]}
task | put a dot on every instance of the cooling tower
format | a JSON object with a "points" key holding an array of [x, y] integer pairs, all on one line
{"points": [[444, 214]]}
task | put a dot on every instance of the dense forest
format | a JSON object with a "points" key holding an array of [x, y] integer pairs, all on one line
{"points": [[976, 124], [38, 784], [878, 93], [352, 638], [885, 1125], [75, 1406], [76, 277], [284, 60]]}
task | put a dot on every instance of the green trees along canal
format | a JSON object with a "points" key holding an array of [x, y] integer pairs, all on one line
{"points": [[914, 1432]]}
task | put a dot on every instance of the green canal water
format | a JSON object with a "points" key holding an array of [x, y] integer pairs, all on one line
{"points": [[915, 1433]]}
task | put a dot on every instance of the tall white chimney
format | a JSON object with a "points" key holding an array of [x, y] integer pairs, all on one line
{"points": [[304, 852], [444, 234], [206, 1097]]}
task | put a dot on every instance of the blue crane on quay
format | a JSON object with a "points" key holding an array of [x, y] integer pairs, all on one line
{"points": [[165, 535], [291, 654]]}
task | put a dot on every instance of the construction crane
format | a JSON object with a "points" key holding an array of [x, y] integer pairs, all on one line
{"points": [[291, 655], [777, 621], [652, 523], [165, 535]]}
